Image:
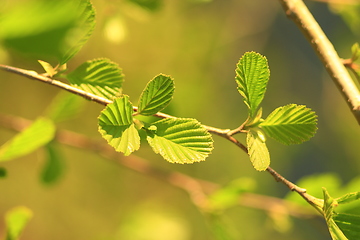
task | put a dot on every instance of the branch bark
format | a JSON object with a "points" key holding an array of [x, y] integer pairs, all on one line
{"points": [[297, 11]]}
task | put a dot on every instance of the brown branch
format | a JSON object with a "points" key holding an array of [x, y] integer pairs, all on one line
{"points": [[299, 13], [42, 78], [197, 189], [225, 133]]}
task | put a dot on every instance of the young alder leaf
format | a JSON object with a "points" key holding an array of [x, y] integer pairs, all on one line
{"points": [[156, 95], [50, 70], [38, 134], [16, 220], [64, 106], [180, 140], [117, 127], [101, 77], [54, 166], [290, 124], [349, 197], [257, 150], [349, 225], [328, 212], [82, 31], [252, 75]]}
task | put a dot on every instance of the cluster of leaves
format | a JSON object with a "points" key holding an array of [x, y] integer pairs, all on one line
{"points": [[290, 124], [178, 140], [122, 125]]}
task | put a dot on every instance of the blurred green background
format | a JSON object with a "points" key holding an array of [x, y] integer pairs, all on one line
{"points": [[198, 43]]}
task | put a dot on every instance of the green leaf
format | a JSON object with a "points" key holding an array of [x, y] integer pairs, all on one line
{"points": [[64, 106], [257, 150], [290, 124], [54, 166], [180, 140], [50, 70], [252, 75], [47, 30], [349, 197], [335, 231], [82, 31], [117, 127], [349, 225], [156, 95], [32, 17], [38, 134], [328, 212], [16, 220], [101, 77]]}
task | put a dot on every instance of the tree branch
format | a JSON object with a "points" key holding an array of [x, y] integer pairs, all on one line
{"points": [[225, 133], [299, 13]]}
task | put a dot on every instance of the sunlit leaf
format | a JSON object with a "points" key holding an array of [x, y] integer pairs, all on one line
{"points": [[180, 140], [33, 17], [82, 31], [64, 106], [290, 124], [38, 134], [257, 150], [16, 220], [54, 166], [156, 95], [117, 127], [252, 75], [101, 77], [47, 30], [50, 70]]}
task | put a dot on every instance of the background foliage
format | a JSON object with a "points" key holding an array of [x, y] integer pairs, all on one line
{"points": [[198, 43]]}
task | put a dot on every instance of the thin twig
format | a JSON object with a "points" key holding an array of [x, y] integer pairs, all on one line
{"points": [[36, 76], [221, 132], [299, 13], [197, 189]]}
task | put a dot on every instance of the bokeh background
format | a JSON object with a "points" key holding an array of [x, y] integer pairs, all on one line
{"points": [[198, 43]]}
